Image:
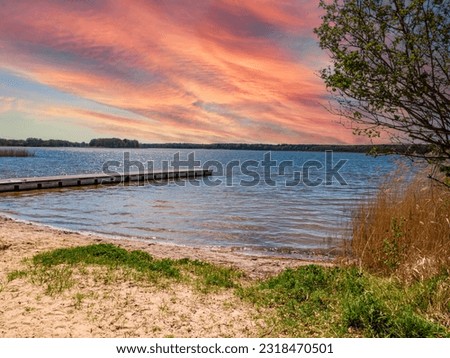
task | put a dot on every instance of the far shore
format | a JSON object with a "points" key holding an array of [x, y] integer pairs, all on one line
{"points": [[127, 309]]}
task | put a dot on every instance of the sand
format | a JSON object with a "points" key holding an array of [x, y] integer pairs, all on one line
{"points": [[122, 308]]}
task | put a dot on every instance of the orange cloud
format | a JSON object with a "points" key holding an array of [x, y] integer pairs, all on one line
{"points": [[209, 71]]}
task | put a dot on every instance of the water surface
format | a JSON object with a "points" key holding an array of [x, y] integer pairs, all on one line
{"points": [[271, 219]]}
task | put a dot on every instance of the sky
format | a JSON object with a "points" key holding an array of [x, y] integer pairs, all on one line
{"points": [[204, 71]]}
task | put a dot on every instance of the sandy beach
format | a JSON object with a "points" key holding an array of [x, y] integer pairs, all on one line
{"points": [[122, 309]]}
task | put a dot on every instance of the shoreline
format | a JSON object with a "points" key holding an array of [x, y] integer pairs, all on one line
{"points": [[326, 254], [251, 262]]}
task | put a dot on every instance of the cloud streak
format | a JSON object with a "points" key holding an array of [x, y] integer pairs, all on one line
{"points": [[190, 71]]}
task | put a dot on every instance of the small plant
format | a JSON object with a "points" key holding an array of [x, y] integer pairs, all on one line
{"points": [[79, 298], [391, 248], [17, 274]]}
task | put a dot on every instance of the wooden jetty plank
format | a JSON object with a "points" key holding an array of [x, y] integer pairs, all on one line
{"points": [[63, 181]]}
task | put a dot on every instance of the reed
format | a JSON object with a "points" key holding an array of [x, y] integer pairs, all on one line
{"points": [[404, 231], [15, 153]]}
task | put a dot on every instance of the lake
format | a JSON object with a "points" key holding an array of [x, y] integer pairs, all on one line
{"points": [[271, 203]]}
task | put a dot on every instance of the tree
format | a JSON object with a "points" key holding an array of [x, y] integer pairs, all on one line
{"points": [[390, 69]]}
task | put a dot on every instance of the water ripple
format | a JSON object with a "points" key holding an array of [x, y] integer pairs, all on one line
{"points": [[261, 218]]}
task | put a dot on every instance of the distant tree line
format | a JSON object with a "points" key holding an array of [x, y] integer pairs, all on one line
{"points": [[128, 143], [372, 149], [36, 142], [99, 142], [114, 143]]}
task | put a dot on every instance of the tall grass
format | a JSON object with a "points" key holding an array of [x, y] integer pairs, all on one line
{"points": [[15, 153], [405, 230]]}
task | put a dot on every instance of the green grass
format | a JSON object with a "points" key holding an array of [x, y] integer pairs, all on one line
{"points": [[339, 302], [307, 301], [55, 269], [54, 280], [111, 257], [208, 277]]}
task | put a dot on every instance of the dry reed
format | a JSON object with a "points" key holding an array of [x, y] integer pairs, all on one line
{"points": [[15, 153], [405, 230]]}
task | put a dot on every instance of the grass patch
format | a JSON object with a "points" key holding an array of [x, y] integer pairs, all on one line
{"points": [[209, 277], [110, 256], [54, 269], [15, 153], [55, 280], [340, 302], [16, 274]]}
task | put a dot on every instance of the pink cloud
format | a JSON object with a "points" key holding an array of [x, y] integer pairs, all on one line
{"points": [[192, 71]]}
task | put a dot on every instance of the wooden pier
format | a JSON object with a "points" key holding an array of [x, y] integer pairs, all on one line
{"points": [[63, 181]]}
